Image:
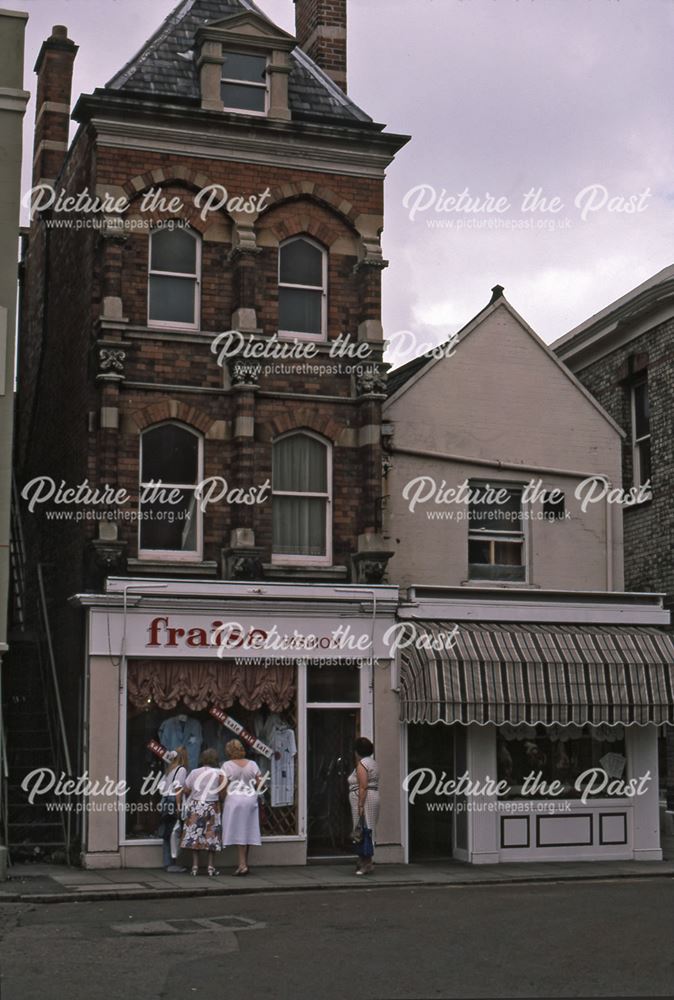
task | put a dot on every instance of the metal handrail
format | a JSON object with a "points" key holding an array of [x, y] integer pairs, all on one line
{"points": [[54, 675], [4, 800], [46, 631], [17, 563], [18, 555]]}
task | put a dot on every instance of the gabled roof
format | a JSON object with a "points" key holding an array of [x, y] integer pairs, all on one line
{"points": [[165, 65], [401, 376], [404, 378], [595, 333]]}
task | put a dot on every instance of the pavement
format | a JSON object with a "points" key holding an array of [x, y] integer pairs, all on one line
{"points": [[41, 883]]}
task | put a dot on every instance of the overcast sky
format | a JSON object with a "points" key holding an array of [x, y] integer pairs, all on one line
{"points": [[500, 97]]}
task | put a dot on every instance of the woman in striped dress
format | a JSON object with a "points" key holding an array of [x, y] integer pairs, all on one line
{"points": [[364, 795]]}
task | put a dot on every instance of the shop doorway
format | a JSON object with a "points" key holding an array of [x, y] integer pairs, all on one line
{"points": [[333, 723], [430, 816], [330, 761]]}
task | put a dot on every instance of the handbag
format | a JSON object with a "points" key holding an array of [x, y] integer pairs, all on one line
{"points": [[175, 839], [366, 849], [167, 807], [361, 838]]}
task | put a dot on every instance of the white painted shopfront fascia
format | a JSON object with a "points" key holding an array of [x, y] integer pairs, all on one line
{"points": [[120, 626]]}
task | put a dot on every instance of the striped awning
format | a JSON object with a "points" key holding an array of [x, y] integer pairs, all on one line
{"points": [[549, 674]]}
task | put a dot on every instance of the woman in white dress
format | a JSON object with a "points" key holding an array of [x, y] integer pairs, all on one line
{"points": [[364, 795], [241, 814]]}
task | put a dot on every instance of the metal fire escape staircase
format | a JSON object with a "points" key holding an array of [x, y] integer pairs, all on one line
{"points": [[31, 722]]}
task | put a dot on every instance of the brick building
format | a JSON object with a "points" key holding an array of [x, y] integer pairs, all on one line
{"points": [[13, 100], [238, 189], [624, 355]]}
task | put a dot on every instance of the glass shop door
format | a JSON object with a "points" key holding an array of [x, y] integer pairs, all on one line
{"points": [[333, 721]]}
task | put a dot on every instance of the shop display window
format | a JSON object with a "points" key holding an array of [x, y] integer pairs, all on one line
{"points": [[169, 702], [558, 753]]}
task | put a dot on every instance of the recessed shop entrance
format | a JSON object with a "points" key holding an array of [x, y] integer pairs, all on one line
{"points": [[333, 721], [430, 753]]}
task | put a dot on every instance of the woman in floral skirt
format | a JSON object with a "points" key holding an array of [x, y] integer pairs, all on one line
{"points": [[202, 830]]}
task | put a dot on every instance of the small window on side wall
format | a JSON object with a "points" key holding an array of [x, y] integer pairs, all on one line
{"points": [[171, 463], [496, 546], [301, 500], [302, 293], [244, 83], [641, 433], [173, 285]]}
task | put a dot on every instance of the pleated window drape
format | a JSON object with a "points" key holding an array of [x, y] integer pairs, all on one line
{"points": [[201, 684]]}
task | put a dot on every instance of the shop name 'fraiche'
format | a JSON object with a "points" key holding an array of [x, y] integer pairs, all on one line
{"points": [[232, 635]]}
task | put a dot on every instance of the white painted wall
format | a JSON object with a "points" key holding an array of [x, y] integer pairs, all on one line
{"points": [[502, 398], [573, 835]]}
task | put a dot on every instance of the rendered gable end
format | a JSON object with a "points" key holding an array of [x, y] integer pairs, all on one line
{"points": [[500, 410], [502, 395]]}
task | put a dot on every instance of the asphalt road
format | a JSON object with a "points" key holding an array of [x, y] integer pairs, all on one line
{"points": [[562, 940]]}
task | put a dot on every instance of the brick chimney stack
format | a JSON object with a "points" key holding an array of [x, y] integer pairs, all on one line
{"points": [[54, 68], [320, 27]]}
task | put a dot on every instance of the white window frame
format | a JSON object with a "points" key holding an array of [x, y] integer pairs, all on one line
{"points": [[162, 324], [247, 83], [174, 555], [496, 536], [637, 478], [302, 560], [315, 337]]}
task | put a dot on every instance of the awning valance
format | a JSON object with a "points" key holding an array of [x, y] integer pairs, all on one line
{"points": [[497, 673]]}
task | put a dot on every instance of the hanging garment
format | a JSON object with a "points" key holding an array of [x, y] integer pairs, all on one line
{"points": [[182, 731], [265, 730], [283, 767]]}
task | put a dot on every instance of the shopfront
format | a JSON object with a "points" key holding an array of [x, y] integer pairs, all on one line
{"points": [[542, 736], [293, 667]]}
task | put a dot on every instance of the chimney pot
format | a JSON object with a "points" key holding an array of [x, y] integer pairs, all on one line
{"points": [[54, 68]]}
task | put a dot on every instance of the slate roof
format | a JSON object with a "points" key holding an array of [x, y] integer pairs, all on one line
{"points": [[165, 65], [399, 376]]}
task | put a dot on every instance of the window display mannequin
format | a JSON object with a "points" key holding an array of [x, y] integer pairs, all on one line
{"points": [[182, 731]]}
